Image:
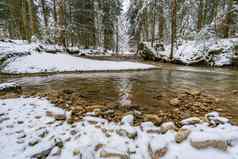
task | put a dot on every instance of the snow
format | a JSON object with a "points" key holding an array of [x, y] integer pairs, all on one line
{"points": [[22, 57], [46, 62], [192, 52], [4, 86], [26, 131]]}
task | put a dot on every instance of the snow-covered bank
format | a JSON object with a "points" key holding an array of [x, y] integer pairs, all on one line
{"points": [[28, 128], [214, 52], [45, 62], [21, 57]]}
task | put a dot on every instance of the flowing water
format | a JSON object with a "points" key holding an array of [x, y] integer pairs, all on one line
{"points": [[142, 88]]}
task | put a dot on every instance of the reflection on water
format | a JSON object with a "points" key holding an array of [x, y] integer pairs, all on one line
{"points": [[124, 87]]}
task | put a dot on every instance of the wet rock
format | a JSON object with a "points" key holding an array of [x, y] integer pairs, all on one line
{"points": [[194, 92], [191, 121], [113, 155], [153, 118], [235, 92], [68, 91], [175, 102], [166, 127], [182, 135]]}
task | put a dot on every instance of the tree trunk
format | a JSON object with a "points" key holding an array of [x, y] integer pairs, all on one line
{"points": [[200, 15], [173, 27], [228, 19], [153, 25], [161, 21]]}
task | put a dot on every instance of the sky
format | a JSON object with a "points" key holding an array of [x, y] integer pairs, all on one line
{"points": [[126, 4]]}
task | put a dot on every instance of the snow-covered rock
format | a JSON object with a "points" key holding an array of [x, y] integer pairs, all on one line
{"points": [[6, 87], [97, 138]]}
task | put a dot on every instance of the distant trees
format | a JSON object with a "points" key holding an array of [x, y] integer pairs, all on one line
{"points": [[90, 23], [183, 20]]}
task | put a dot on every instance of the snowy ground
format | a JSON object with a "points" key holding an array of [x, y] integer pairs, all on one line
{"points": [[27, 132], [45, 62]]}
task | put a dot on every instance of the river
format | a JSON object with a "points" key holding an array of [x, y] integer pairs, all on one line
{"points": [[149, 90]]}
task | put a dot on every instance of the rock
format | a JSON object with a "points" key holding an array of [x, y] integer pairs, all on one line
{"points": [[127, 131], [146, 52], [182, 135], [56, 151], [57, 115], [191, 121], [218, 144], [33, 142], [59, 143], [113, 155], [60, 116], [43, 153], [194, 92], [10, 87], [218, 120], [160, 153], [235, 92], [128, 120], [76, 152], [212, 114], [20, 122], [166, 127], [174, 102], [156, 149], [4, 119], [68, 91], [153, 118]]}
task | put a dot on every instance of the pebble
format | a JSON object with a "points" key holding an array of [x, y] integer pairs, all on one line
{"points": [[182, 135], [166, 127]]}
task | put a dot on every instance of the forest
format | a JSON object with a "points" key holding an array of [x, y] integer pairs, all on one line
{"points": [[119, 79]]}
